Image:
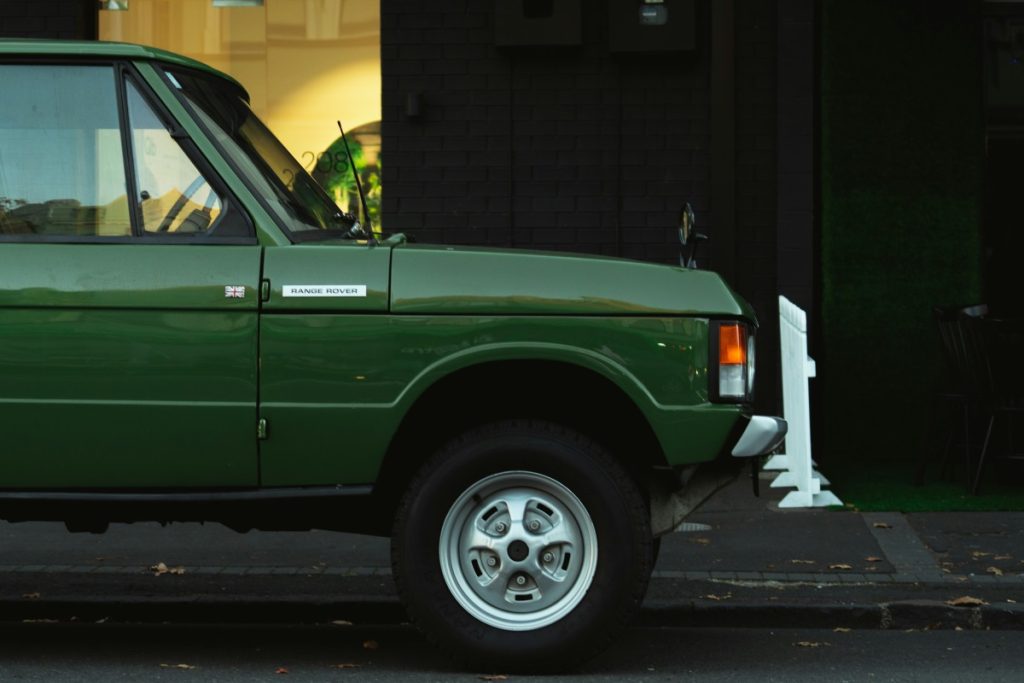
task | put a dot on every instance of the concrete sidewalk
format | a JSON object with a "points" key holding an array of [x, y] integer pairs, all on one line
{"points": [[745, 562]]}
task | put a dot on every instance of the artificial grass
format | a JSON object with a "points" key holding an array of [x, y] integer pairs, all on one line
{"points": [[877, 486]]}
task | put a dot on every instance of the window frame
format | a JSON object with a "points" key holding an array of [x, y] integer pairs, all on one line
{"points": [[233, 212]]}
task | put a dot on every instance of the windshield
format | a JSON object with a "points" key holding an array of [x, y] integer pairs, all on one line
{"points": [[303, 208]]}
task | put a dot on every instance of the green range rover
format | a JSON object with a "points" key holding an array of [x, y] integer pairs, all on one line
{"points": [[190, 329]]}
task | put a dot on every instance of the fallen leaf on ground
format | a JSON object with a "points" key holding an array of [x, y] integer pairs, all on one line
{"points": [[1003, 557], [712, 596], [176, 666], [978, 554], [872, 558], [811, 643], [1011, 600], [347, 665], [281, 670], [160, 569], [341, 622], [958, 628], [882, 525], [840, 565], [966, 601], [370, 645], [995, 571], [30, 596], [801, 561], [494, 677], [701, 540], [841, 629]]}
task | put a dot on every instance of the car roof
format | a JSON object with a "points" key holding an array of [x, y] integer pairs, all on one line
{"points": [[90, 49]]}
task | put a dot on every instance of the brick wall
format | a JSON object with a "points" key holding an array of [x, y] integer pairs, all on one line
{"points": [[756, 275], [796, 166], [70, 19], [568, 148]]}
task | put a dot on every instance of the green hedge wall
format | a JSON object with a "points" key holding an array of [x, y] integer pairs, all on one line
{"points": [[901, 164]]}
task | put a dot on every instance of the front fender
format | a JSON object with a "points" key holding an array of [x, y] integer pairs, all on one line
{"points": [[330, 379]]}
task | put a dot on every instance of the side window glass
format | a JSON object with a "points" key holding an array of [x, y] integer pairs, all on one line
{"points": [[174, 197], [61, 160]]}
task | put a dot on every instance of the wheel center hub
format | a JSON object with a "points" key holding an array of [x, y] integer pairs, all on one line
{"points": [[518, 551]]}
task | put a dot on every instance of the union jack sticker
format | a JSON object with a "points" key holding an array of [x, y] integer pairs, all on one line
{"points": [[232, 292]]}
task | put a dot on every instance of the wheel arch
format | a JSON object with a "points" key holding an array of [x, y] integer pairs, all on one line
{"points": [[564, 392]]}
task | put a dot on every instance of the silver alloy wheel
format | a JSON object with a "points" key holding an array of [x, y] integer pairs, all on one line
{"points": [[518, 550]]}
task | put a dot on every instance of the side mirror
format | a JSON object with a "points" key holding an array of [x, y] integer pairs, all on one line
{"points": [[688, 238]]}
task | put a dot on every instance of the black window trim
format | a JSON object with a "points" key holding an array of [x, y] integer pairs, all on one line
{"points": [[232, 208], [127, 150], [122, 71]]}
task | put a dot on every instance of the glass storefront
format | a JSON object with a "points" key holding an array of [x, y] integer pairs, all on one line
{"points": [[306, 64]]}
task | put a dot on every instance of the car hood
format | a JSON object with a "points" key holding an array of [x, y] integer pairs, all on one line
{"points": [[427, 279]]}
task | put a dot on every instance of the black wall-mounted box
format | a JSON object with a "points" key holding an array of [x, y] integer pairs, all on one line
{"points": [[651, 25], [537, 22]]}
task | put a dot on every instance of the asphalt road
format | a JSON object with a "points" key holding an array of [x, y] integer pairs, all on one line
{"points": [[118, 652]]}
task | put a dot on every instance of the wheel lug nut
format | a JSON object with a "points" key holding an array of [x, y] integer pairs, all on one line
{"points": [[521, 580], [492, 561], [534, 525], [548, 558], [500, 527]]}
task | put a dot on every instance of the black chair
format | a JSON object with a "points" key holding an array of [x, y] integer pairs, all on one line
{"points": [[958, 392], [993, 348]]}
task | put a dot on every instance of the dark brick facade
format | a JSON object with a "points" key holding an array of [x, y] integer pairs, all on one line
{"points": [[568, 148], [756, 275], [796, 144], [66, 19]]}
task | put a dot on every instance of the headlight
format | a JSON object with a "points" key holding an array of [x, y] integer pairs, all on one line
{"points": [[735, 367]]}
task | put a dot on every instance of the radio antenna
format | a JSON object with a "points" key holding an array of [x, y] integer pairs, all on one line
{"points": [[359, 185]]}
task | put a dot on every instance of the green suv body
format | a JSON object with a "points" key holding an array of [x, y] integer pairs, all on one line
{"points": [[191, 329]]}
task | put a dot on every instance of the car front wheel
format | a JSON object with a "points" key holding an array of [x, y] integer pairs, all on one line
{"points": [[522, 546]]}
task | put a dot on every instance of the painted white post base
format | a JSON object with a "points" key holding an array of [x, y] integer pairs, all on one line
{"points": [[795, 467]]}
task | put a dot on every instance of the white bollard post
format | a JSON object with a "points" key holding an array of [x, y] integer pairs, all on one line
{"points": [[797, 369]]}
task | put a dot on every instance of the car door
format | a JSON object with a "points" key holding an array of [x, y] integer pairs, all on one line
{"points": [[331, 364], [128, 293]]}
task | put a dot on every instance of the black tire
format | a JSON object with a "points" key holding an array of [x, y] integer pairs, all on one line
{"points": [[534, 463]]}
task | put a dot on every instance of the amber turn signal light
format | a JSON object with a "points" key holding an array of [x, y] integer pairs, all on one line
{"points": [[732, 345]]}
